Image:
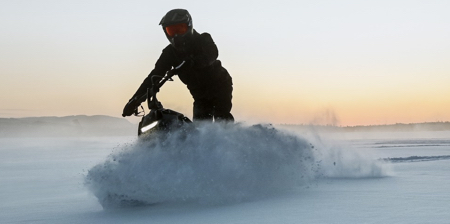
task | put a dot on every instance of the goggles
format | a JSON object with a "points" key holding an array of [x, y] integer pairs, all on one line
{"points": [[180, 29]]}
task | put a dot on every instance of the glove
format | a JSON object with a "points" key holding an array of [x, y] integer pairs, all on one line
{"points": [[189, 63], [130, 107], [153, 90]]}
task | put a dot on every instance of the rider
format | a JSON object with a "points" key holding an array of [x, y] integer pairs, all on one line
{"points": [[209, 83]]}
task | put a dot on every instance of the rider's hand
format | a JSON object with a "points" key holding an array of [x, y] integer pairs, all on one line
{"points": [[153, 91], [188, 64], [129, 108]]}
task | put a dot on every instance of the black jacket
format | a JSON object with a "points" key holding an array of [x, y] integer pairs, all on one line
{"points": [[202, 73]]}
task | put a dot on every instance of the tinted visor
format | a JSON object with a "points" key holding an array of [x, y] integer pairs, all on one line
{"points": [[180, 29]]}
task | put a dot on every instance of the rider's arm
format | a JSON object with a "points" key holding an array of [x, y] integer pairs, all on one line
{"points": [[163, 64]]}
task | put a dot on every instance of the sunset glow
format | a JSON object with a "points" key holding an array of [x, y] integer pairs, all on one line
{"points": [[295, 62]]}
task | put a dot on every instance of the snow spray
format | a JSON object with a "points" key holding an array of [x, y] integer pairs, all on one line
{"points": [[214, 164]]}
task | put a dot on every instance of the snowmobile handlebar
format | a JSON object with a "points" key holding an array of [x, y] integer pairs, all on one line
{"points": [[152, 101], [150, 96], [167, 77]]}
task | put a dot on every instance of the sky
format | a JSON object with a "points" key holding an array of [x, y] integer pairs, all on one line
{"points": [[292, 62]]}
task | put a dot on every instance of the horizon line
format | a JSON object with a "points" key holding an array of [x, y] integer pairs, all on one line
{"points": [[287, 124]]}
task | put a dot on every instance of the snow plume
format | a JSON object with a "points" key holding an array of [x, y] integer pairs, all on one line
{"points": [[214, 164], [335, 159]]}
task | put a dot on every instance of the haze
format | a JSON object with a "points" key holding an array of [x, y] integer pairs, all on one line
{"points": [[332, 62]]}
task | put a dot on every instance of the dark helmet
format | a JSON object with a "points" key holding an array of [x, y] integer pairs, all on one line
{"points": [[177, 25]]}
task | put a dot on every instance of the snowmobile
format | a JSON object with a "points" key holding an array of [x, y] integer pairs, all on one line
{"points": [[158, 119]]}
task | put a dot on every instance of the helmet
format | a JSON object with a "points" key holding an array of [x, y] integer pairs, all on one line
{"points": [[177, 25]]}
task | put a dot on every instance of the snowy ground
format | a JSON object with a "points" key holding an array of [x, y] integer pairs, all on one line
{"points": [[352, 178]]}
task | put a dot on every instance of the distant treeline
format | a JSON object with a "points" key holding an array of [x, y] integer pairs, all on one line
{"points": [[426, 126], [99, 125], [68, 126]]}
